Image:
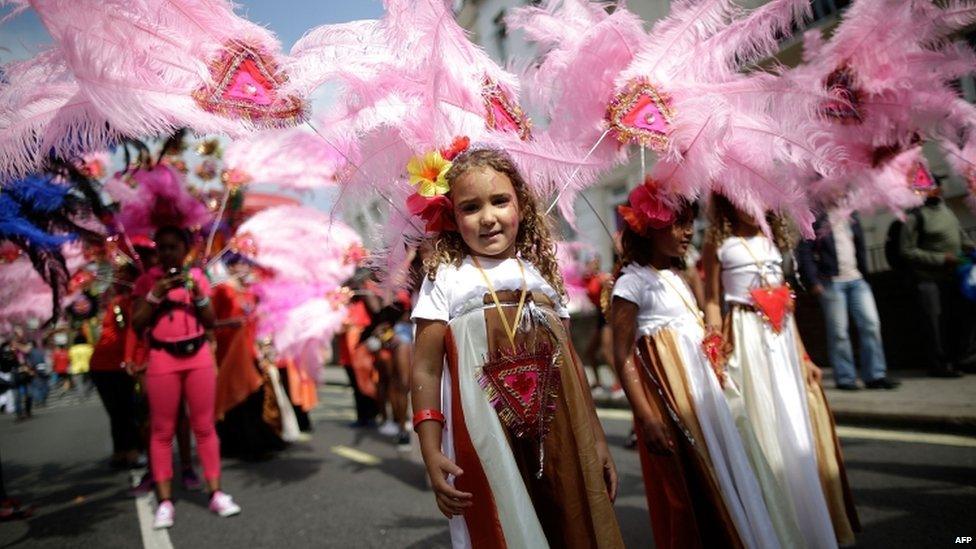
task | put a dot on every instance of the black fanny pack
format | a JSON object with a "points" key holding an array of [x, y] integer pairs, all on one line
{"points": [[181, 349]]}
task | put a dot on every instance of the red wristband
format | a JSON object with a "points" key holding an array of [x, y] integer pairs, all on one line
{"points": [[427, 415]]}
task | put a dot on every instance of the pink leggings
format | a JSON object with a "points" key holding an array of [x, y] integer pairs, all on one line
{"points": [[166, 390]]}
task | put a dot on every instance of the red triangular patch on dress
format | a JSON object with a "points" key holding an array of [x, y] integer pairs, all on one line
{"points": [[773, 303], [521, 387]]}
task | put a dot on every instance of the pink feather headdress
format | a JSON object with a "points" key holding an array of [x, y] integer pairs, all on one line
{"points": [[677, 91], [302, 244], [290, 158], [437, 86], [145, 68], [154, 197], [886, 88], [302, 305], [42, 112]]}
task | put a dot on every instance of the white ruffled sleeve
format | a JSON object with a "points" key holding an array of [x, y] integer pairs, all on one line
{"points": [[630, 287], [433, 303]]}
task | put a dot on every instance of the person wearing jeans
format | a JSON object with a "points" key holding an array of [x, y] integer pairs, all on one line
{"points": [[832, 266]]}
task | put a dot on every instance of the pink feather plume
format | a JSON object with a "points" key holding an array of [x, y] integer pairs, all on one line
{"points": [[901, 76], [143, 68], [311, 257], [153, 198], [290, 158], [302, 244]]}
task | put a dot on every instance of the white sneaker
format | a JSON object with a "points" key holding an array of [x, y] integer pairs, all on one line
{"points": [[223, 504], [389, 429], [164, 515], [599, 394]]}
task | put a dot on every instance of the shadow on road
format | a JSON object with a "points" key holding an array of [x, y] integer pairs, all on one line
{"points": [[71, 500]]}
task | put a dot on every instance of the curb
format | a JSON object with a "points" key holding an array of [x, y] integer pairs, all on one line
{"points": [[964, 426]]}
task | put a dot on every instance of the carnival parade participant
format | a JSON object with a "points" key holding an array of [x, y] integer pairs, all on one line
{"points": [[241, 389], [598, 350], [116, 387], [490, 310], [743, 269], [173, 309], [353, 355], [701, 488]]}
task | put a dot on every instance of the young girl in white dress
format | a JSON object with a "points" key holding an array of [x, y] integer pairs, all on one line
{"points": [[701, 488], [744, 270], [508, 431]]}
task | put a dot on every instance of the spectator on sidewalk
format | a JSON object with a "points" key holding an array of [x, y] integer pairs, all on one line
{"points": [[60, 362], [832, 265], [8, 371], [932, 244], [79, 356], [40, 386]]}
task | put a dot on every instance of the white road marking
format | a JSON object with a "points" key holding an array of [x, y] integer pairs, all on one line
{"points": [[358, 456], [151, 539], [845, 431], [614, 414]]}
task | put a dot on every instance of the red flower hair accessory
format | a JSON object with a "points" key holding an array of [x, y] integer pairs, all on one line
{"points": [[458, 146], [428, 174], [647, 208], [437, 211]]}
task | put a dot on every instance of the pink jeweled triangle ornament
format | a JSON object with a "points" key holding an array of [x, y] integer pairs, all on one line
{"points": [[919, 178], [642, 114], [503, 114], [246, 84]]}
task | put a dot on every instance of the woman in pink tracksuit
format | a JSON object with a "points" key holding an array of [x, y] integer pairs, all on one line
{"points": [[173, 311]]}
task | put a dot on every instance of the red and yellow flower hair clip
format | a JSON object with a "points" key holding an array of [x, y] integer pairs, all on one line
{"points": [[429, 174]]}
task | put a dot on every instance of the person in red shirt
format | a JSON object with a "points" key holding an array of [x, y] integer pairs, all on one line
{"points": [[59, 365], [244, 428], [357, 360], [597, 352], [115, 386]]}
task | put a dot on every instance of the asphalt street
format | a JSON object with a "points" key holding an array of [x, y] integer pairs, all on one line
{"points": [[351, 488]]}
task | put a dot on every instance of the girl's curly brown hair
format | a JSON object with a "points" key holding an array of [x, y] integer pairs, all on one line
{"points": [[534, 242], [722, 215]]}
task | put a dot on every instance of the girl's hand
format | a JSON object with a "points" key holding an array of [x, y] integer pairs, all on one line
{"points": [[165, 284], [609, 469], [656, 437], [814, 373], [451, 501]]}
